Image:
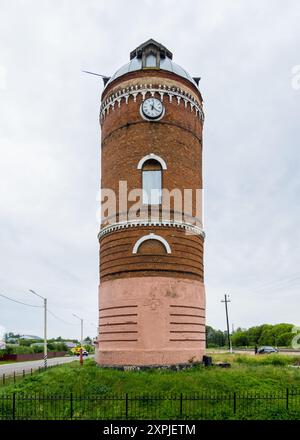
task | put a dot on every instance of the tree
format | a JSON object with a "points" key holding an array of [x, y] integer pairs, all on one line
{"points": [[215, 338], [240, 339]]}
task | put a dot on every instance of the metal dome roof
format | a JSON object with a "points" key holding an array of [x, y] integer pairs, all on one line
{"points": [[152, 55]]}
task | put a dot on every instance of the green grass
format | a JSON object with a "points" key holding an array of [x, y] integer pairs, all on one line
{"points": [[265, 375], [258, 360], [268, 373]]}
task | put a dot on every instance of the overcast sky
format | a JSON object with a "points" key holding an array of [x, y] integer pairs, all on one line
{"points": [[244, 52]]}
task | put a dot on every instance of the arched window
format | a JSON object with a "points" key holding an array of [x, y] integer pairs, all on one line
{"points": [[152, 166], [151, 60], [152, 182], [152, 237]]}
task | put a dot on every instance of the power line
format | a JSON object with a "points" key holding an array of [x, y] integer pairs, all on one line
{"points": [[19, 302], [60, 319], [31, 305], [277, 285], [281, 281]]}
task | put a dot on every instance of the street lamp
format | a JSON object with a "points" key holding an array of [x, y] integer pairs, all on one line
{"points": [[81, 336], [45, 326]]}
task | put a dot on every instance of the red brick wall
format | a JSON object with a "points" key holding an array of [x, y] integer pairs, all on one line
{"points": [[116, 258], [176, 138]]}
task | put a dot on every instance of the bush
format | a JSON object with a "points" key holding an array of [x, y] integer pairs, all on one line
{"points": [[240, 339], [266, 334], [265, 359], [57, 346], [38, 348], [16, 349]]}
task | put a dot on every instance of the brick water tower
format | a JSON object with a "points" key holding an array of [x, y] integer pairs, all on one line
{"points": [[151, 294]]}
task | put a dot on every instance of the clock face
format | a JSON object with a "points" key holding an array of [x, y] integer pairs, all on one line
{"points": [[152, 108]]}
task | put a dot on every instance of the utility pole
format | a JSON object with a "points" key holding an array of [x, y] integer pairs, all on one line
{"points": [[81, 336], [45, 327], [95, 325], [226, 301]]}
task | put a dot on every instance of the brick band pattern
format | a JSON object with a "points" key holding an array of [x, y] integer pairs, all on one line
{"points": [[174, 94]]}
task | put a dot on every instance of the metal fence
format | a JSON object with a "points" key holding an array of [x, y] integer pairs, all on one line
{"points": [[15, 376], [198, 406]]}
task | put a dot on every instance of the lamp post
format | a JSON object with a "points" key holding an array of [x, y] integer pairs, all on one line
{"points": [[81, 336], [45, 326]]}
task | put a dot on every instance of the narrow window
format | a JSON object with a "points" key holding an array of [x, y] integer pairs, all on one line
{"points": [[152, 182], [151, 61]]}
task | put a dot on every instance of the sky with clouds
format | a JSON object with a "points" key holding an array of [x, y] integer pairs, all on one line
{"points": [[244, 52]]}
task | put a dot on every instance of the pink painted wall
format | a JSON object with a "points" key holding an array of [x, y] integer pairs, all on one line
{"points": [[151, 321]]}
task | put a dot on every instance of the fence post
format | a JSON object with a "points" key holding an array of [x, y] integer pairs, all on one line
{"points": [[14, 406], [71, 405], [23, 374], [287, 399], [14, 377], [180, 404], [234, 403], [31, 371], [126, 405], [3, 379]]}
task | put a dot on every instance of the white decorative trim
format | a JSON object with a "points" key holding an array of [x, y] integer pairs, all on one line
{"points": [[144, 89], [152, 156], [161, 223], [151, 236]]}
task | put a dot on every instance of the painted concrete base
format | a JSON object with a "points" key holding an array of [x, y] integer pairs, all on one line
{"points": [[173, 367], [151, 321]]}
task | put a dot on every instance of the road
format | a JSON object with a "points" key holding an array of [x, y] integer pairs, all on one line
{"points": [[18, 367]]}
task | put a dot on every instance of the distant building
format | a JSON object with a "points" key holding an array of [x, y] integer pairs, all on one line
{"points": [[70, 344], [30, 337]]}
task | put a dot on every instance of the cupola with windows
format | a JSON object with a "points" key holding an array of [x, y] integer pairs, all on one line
{"points": [[152, 55]]}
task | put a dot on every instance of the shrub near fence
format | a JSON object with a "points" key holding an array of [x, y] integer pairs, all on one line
{"points": [[284, 405], [31, 356]]}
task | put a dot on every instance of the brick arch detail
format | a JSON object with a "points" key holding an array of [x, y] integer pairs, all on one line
{"points": [[152, 156], [151, 236]]}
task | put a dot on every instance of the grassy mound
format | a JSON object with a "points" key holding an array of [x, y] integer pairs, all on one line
{"points": [[255, 387], [265, 374]]}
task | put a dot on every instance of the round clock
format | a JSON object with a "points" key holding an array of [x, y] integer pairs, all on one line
{"points": [[152, 108]]}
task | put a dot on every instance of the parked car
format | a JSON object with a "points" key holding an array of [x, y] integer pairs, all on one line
{"points": [[76, 351], [84, 353], [267, 350]]}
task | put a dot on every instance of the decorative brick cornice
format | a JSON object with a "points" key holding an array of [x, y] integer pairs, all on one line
{"points": [[192, 229], [175, 95]]}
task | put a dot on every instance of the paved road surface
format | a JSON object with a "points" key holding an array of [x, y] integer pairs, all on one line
{"points": [[18, 367]]}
